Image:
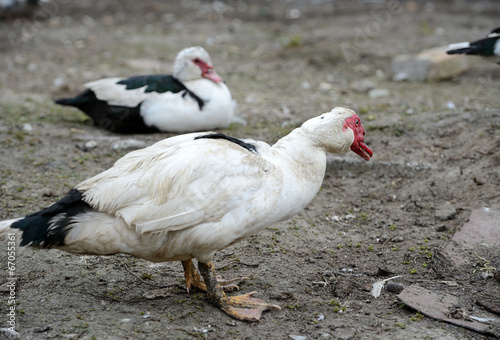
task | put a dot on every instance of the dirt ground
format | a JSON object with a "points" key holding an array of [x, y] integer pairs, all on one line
{"points": [[435, 160]]}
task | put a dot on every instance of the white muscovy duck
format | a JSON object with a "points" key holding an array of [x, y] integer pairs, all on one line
{"points": [[191, 195], [488, 47], [193, 98]]}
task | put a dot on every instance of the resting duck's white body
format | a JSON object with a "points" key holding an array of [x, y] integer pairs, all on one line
{"points": [[195, 100], [174, 112]]}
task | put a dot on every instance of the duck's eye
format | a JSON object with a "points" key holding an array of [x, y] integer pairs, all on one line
{"points": [[196, 61], [357, 122]]}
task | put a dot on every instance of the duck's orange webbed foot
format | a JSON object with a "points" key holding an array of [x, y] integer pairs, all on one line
{"points": [[241, 307]]}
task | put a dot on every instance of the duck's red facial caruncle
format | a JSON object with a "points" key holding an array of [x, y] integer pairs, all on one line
{"points": [[207, 71], [358, 146]]}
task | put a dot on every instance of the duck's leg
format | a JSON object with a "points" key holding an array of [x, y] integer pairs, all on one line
{"points": [[241, 307], [193, 279]]}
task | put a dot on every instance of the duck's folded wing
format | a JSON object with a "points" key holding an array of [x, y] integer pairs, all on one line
{"points": [[185, 185], [130, 92], [153, 83]]}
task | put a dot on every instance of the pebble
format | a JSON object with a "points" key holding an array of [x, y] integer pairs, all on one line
{"points": [[363, 85], [91, 144], [128, 144], [27, 127], [441, 228], [297, 337], [445, 212], [398, 239], [325, 87], [378, 93], [394, 287]]}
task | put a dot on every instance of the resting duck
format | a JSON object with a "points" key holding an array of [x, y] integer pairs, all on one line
{"points": [[488, 47], [191, 195], [193, 98]]}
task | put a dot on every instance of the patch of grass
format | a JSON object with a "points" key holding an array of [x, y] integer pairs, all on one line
{"points": [[337, 306], [147, 276], [417, 317]]}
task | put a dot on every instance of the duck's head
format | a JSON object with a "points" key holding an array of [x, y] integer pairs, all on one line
{"points": [[194, 63], [338, 131]]}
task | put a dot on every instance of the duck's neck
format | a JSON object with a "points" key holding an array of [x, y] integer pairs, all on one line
{"points": [[305, 158]]}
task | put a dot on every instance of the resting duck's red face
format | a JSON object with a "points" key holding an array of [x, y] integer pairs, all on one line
{"points": [[358, 146], [207, 71]]}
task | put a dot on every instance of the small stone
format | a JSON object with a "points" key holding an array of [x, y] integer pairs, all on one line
{"points": [[297, 337], [9, 334], [378, 93], [478, 180], [91, 144], [27, 127], [384, 238], [441, 228], [128, 144], [421, 223], [5, 287], [363, 85], [394, 287], [398, 239], [445, 212], [325, 87], [42, 329]]}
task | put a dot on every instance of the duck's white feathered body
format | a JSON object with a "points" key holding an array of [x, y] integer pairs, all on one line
{"points": [[191, 195], [194, 98], [187, 198]]}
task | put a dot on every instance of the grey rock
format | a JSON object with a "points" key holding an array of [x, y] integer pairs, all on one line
{"points": [[445, 212]]}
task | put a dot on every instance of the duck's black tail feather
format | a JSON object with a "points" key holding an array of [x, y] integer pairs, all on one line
{"points": [[49, 227], [484, 47], [121, 119]]}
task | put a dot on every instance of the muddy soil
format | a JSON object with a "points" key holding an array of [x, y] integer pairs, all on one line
{"points": [[436, 160]]}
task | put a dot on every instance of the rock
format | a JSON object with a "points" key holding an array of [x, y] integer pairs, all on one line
{"points": [[128, 144], [445, 212], [297, 337], [432, 65], [441, 228], [27, 127], [9, 334], [394, 287], [363, 85], [89, 145], [325, 87], [450, 105], [378, 93], [398, 239]]}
